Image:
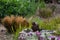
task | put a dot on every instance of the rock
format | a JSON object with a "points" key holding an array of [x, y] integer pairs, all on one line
{"points": [[52, 38], [3, 30], [4, 35]]}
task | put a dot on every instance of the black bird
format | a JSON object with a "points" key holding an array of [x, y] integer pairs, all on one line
{"points": [[35, 27]]}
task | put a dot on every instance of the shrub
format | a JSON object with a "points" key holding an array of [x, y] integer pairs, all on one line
{"points": [[7, 22], [12, 23], [17, 7], [42, 5], [18, 19], [21, 21], [45, 12], [25, 23]]}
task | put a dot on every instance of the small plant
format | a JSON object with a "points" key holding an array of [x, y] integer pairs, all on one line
{"points": [[12, 23], [20, 20], [45, 12], [7, 22]]}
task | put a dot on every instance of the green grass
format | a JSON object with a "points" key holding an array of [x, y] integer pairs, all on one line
{"points": [[49, 25], [53, 24], [17, 32]]}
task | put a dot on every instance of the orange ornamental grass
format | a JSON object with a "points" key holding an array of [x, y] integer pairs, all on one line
{"points": [[18, 19], [12, 18], [7, 22], [14, 22], [25, 23]]}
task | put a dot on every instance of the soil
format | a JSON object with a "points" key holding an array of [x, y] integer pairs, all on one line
{"points": [[4, 35]]}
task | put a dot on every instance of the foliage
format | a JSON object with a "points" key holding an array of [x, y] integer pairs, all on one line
{"points": [[52, 24], [45, 12], [42, 5], [17, 7], [12, 23], [48, 24], [7, 23], [57, 20], [16, 34]]}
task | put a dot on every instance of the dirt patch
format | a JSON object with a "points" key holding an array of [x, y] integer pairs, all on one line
{"points": [[4, 35]]}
